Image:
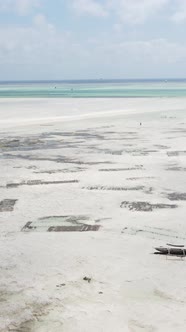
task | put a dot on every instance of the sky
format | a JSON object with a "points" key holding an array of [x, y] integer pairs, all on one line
{"points": [[84, 39]]}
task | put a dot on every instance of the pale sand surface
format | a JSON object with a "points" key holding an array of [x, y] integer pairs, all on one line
{"points": [[26, 111], [108, 159]]}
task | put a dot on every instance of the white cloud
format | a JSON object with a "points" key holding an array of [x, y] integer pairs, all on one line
{"points": [[38, 51], [25, 6], [90, 7], [155, 51], [41, 51], [41, 45], [128, 11], [136, 11], [179, 15], [131, 11], [22, 7]]}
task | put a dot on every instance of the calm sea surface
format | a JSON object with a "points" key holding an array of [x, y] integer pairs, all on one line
{"points": [[94, 89]]}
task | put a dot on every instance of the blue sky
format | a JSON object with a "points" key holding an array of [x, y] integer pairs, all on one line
{"points": [[81, 39]]}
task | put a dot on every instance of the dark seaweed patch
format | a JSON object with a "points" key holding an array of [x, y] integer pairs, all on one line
{"points": [[139, 152], [114, 188], [80, 228], [145, 206], [7, 205], [138, 167], [65, 170], [161, 146], [176, 168], [38, 182], [176, 153], [58, 159], [73, 220], [106, 151], [177, 196], [140, 178]]}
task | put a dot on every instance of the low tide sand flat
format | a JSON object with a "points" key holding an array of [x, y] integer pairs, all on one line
{"points": [[86, 194]]}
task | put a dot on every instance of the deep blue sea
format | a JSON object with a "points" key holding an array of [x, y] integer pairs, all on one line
{"points": [[94, 88]]}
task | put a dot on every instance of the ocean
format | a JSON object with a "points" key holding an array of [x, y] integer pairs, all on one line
{"points": [[94, 89]]}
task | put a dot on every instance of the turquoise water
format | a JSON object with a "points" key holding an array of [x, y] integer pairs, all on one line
{"points": [[94, 89]]}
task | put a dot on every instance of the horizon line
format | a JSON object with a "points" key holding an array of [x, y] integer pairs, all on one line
{"points": [[93, 79]]}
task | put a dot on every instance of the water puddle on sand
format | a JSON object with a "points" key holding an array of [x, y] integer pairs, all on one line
{"points": [[154, 233], [61, 224]]}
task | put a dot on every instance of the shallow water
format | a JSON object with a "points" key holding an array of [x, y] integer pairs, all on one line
{"points": [[94, 89]]}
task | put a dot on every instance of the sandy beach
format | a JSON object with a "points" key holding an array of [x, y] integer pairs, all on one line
{"points": [[88, 188]]}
